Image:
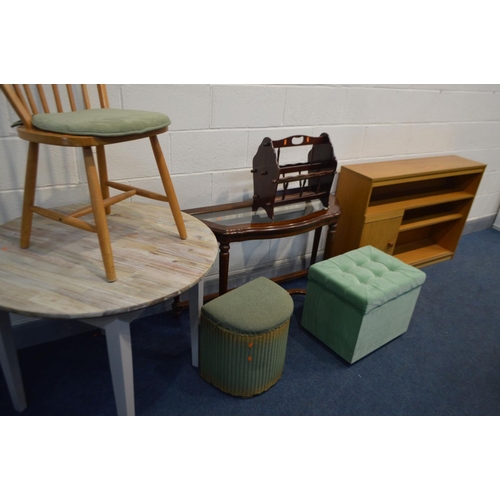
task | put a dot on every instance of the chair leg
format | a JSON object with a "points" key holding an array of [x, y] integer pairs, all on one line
{"points": [[103, 174], [29, 193], [99, 214], [168, 186]]}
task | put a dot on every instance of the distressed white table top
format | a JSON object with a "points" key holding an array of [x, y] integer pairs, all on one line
{"points": [[61, 274]]}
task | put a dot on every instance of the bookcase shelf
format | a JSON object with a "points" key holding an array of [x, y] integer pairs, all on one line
{"points": [[408, 202], [427, 221], [423, 253], [413, 209]]}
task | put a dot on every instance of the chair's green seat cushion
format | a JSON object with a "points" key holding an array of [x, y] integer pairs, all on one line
{"points": [[255, 307], [366, 278], [102, 122]]}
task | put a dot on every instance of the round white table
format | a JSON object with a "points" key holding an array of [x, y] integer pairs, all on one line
{"points": [[61, 276]]}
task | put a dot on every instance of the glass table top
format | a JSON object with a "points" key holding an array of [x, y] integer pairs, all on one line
{"points": [[245, 215]]}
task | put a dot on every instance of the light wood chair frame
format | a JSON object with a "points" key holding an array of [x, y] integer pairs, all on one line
{"points": [[22, 98]]}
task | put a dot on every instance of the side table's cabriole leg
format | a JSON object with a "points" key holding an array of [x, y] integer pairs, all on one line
{"points": [[195, 303], [10, 363], [223, 267], [117, 331], [330, 237], [317, 237]]}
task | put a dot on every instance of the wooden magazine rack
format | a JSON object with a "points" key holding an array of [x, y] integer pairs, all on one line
{"points": [[276, 184]]}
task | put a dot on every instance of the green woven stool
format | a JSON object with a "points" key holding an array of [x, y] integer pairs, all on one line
{"points": [[243, 337], [359, 301]]}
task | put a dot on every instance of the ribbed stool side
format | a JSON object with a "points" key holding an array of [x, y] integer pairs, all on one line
{"points": [[241, 364]]}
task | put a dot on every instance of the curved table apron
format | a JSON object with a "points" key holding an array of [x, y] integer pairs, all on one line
{"points": [[61, 275], [237, 222]]}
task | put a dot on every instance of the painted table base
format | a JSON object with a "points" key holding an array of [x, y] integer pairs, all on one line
{"points": [[117, 331], [10, 363], [60, 277]]}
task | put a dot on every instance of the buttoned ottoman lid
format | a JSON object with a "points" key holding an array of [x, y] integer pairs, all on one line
{"points": [[366, 278], [255, 307]]}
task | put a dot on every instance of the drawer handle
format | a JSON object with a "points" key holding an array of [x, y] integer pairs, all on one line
{"points": [[390, 244]]}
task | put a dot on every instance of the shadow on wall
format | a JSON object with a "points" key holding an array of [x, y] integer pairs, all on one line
{"points": [[228, 197]]}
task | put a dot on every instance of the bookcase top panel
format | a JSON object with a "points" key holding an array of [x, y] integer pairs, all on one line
{"points": [[385, 170]]}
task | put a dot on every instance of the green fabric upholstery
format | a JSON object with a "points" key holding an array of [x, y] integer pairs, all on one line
{"points": [[104, 122], [255, 307], [366, 278], [243, 338], [360, 301]]}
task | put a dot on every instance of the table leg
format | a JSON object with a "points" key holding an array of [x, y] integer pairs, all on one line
{"points": [[117, 331], [195, 297], [223, 267], [330, 236], [10, 363], [317, 237]]}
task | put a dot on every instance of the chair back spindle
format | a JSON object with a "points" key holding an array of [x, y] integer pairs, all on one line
{"points": [[28, 100]]}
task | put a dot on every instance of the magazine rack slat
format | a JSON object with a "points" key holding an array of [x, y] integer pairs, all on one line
{"points": [[311, 179]]}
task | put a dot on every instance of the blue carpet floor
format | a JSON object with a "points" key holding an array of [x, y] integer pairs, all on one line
{"points": [[447, 363]]}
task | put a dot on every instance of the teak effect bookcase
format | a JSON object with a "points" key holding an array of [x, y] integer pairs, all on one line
{"points": [[413, 209]]}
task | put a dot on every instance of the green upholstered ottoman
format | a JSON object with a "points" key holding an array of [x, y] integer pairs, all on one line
{"points": [[359, 301], [243, 337]]}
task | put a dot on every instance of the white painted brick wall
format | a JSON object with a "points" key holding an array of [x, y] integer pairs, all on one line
{"points": [[237, 106], [188, 106], [208, 151], [216, 130], [316, 106], [386, 140]]}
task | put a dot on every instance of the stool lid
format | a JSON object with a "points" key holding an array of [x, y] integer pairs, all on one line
{"points": [[366, 278], [253, 308]]}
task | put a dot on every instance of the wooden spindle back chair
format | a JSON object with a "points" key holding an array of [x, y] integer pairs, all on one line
{"points": [[86, 128]]}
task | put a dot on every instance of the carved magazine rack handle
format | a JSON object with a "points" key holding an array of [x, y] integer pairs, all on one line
{"points": [[311, 179]]}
